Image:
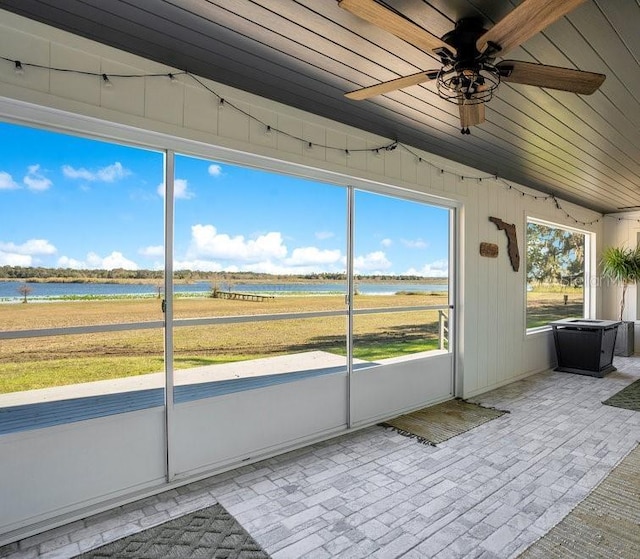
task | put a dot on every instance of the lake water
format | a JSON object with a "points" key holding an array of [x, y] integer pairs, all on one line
{"points": [[9, 289]]}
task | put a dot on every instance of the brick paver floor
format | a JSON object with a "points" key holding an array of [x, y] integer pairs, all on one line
{"points": [[488, 493]]}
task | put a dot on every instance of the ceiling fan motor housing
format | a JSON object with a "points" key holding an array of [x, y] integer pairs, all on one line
{"points": [[469, 76]]}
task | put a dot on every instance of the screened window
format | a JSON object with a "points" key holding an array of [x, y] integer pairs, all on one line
{"points": [[556, 273]]}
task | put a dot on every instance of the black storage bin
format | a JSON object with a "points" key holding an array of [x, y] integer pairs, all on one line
{"points": [[585, 346]]}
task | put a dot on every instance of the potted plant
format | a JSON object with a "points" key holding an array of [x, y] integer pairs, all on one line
{"points": [[622, 265]]}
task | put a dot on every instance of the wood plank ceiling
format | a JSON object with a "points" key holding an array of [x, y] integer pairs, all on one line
{"points": [[307, 53]]}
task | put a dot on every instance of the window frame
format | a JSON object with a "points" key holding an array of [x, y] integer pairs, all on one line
{"points": [[588, 304], [119, 134]]}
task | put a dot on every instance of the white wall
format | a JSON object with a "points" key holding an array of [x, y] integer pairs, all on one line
{"points": [[621, 230], [493, 347], [496, 348]]}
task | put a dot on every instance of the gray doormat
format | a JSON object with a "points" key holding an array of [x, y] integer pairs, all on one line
{"points": [[628, 398], [439, 423], [208, 533], [604, 525]]}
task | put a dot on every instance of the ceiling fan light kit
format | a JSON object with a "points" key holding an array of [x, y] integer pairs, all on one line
{"points": [[469, 75], [469, 86]]}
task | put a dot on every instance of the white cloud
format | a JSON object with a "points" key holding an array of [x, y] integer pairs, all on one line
{"points": [[81, 173], [386, 242], [94, 261], [67, 262], [31, 247], [35, 180], [417, 243], [207, 242], [110, 173], [7, 182], [13, 259], [180, 189], [113, 172], [117, 260], [152, 251], [372, 263], [312, 255], [215, 170], [12, 254], [437, 269], [265, 266], [322, 235], [212, 250]]}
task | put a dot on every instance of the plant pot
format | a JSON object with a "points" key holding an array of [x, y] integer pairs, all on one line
{"points": [[624, 340]]}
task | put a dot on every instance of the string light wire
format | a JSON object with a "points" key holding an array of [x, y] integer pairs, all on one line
{"points": [[377, 151]]}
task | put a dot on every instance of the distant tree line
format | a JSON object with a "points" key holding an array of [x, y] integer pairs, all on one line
{"points": [[83, 275], [37, 272], [327, 276]]}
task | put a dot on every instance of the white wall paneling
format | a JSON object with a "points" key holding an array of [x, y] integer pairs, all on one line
{"points": [[400, 386], [58, 470], [242, 426]]}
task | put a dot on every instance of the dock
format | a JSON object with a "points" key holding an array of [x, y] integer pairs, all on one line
{"points": [[240, 296]]}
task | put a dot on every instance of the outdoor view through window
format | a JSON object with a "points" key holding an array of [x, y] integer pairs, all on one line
{"points": [[260, 268], [555, 273]]}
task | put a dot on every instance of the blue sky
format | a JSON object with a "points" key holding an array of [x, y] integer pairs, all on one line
{"points": [[74, 202]]}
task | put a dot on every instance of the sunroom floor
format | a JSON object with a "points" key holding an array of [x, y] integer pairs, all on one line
{"points": [[488, 493]]}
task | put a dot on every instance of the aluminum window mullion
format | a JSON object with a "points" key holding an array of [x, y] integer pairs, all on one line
{"points": [[168, 309], [454, 295], [350, 289]]}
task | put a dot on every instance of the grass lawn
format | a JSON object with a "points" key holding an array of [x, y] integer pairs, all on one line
{"points": [[32, 363], [546, 306]]}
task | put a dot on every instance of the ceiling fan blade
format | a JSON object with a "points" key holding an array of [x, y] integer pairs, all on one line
{"points": [[470, 114], [392, 85], [541, 75], [395, 24], [524, 21]]}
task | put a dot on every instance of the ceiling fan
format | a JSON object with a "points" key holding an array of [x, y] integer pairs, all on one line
{"points": [[469, 74]]}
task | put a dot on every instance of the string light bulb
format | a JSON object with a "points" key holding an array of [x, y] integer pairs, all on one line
{"points": [[106, 81], [19, 70]]}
